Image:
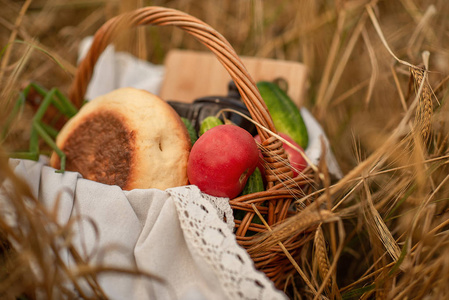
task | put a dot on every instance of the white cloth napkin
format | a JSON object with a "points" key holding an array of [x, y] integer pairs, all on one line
{"points": [[178, 234], [114, 70]]}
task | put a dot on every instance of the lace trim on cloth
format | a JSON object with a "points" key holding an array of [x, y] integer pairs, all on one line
{"points": [[212, 241], [223, 208]]}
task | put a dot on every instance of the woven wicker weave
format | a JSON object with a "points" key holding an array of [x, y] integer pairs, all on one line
{"points": [[273, 203]]}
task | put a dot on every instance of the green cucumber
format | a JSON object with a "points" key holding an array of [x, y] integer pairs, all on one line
{"points": [[284, 112], [190, 130], [209, 123], [254, 183]]}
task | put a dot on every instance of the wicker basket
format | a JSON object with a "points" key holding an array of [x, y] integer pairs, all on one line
{"points": [[274, 203]]}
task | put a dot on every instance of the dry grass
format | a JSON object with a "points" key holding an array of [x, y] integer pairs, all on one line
{"points": [[382, 230]]}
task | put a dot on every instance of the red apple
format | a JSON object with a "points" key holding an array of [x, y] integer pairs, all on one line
{"points": [[221, 161], [296, 159]]}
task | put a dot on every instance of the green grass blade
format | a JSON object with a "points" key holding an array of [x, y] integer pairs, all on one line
{"points": [[357, 293], [46, 137], [25, 155], [402, 200], [52, 132], [67, 106], [41, 50], [400, 259]]}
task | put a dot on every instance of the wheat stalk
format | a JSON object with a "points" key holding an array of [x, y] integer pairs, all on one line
{"points": [[321, 256], [424, 111], [297, 223]]}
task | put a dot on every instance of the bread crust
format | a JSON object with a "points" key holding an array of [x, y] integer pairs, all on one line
{"points": [[128, 137]]}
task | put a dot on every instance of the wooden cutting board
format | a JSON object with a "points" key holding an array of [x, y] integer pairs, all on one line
{"points": [[192, 74]]}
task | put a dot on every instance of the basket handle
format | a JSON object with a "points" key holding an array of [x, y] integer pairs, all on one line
{"points": [[277, 170], [213, 40]]}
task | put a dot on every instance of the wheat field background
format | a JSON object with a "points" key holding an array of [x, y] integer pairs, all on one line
{"points": [[378, 84]]}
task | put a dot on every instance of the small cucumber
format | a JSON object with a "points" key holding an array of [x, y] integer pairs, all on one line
{"points": [[190, 130], [254, 183], [209, 123], [284, 112]]}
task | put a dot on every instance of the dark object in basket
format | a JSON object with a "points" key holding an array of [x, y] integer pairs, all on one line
{"points": [[203, 107]]}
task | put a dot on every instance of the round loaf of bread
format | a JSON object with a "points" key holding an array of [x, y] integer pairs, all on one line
{"points": [[128, 137]]}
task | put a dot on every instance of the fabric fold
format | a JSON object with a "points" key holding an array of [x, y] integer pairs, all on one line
{"points": [[178, 235]]}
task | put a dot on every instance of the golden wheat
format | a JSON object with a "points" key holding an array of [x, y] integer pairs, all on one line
{"points": [[321, 256], [424, 111], [393, 198]]}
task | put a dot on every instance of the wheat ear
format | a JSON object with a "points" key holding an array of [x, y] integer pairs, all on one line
{"points": [[321, 256], [424, 110]]}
